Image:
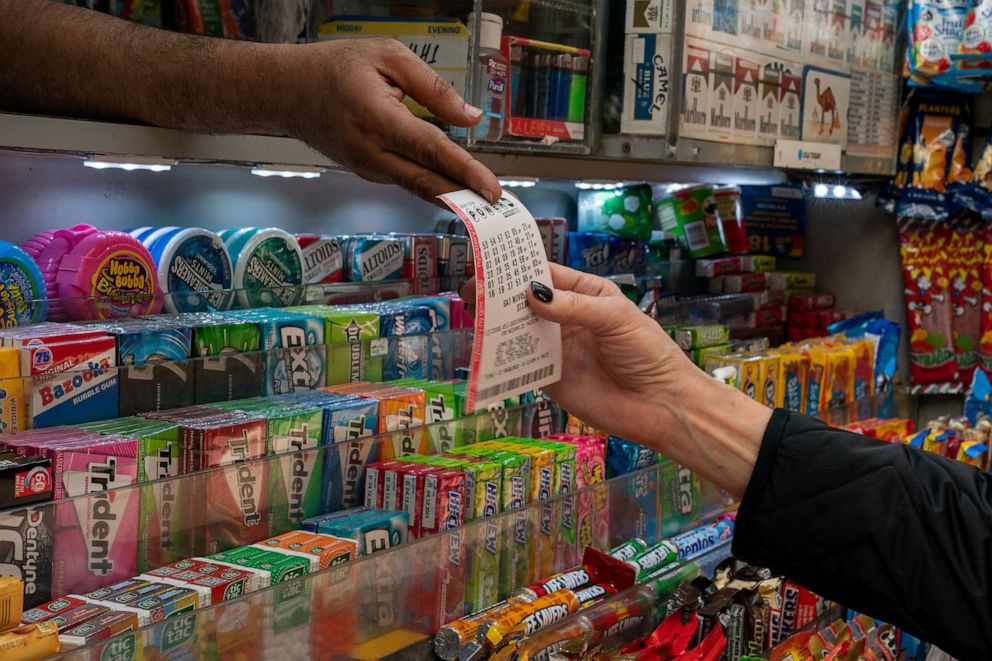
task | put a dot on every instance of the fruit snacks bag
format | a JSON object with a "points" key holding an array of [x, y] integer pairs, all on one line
{"points": [[964, 264], [936, 30], [928, 305]]}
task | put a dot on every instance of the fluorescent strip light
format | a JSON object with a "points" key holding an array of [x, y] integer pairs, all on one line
{"points": [[128, 163], [598, 185], [519, 182], [286, 171]]}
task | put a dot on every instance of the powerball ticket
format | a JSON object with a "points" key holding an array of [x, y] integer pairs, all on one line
{"points": [[515, 351]]}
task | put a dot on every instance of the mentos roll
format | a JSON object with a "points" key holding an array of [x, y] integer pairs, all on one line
{"points": [[374, 258], [588, 251], [194, 268]]}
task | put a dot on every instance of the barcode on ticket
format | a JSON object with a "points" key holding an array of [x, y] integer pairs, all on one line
{"points": [[514, 383]]}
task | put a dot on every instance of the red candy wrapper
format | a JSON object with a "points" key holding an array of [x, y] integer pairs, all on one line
{"points": [[964, 259], [928, 304]]}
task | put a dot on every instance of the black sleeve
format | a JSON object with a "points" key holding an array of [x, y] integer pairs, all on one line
{"points": [[897, 533]]}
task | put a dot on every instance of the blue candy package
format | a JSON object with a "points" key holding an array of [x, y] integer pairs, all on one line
{"points": [[442, 345], [408, 358], [350, 425], [623, 456], [589, 251]]}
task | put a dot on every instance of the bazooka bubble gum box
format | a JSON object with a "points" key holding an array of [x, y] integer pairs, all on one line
{"points": [[74, 381], [96, 537]]}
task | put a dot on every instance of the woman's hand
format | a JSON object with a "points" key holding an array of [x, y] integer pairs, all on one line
{"points": [[623, 374], [348, 103]]}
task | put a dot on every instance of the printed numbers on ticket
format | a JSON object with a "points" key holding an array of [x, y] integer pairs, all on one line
{"points": [[515, 351]]}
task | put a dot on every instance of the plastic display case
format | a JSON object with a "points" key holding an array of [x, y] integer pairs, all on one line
{"points": [[391, 601]]}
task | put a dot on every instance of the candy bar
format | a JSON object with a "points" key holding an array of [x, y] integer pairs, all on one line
{"points": [[35, 641]]}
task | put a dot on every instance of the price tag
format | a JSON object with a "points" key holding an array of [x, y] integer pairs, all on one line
{"points": [[515, 351], [379, 347]]}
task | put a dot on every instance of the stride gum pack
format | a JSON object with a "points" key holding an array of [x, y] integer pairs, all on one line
{"points": [[144, 384]]}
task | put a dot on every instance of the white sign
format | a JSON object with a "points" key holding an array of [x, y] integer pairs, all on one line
{"points": [[801, 155]]}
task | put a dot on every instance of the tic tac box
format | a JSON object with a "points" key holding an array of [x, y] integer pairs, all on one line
{"points": [[96, 536], [27, 545], [74, 381], [51, 609], [229, 365], [99, 628], [213, 583], [156, 371]]}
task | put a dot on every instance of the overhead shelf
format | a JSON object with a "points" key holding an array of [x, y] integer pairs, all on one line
{"points": [[621, 157]]}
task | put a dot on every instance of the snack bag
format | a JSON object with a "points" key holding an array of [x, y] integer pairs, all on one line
{"points": [[928, 307], [936, 29], [975, 47]]}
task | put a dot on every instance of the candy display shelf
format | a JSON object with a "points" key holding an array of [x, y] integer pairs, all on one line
{"points": [[395, 600]]}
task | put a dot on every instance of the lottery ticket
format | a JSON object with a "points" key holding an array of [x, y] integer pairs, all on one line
{"points": [[515, 351]]}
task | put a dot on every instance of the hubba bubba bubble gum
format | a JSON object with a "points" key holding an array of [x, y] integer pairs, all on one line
{"points": [[96, 538]]}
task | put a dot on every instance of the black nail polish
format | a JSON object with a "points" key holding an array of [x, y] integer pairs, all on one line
{"points": [[541, 292]]}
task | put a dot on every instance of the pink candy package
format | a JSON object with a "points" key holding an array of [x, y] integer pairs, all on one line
{"points": [[96, 537]]}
